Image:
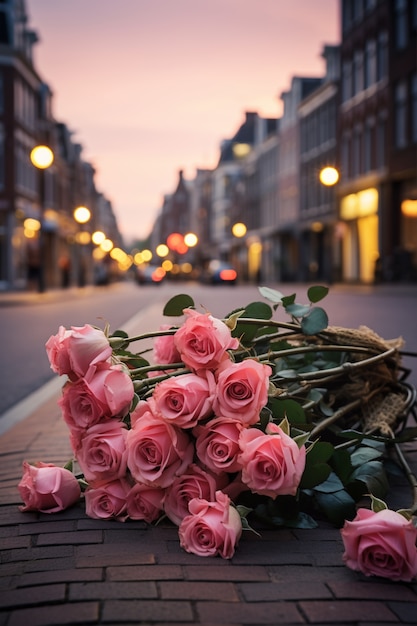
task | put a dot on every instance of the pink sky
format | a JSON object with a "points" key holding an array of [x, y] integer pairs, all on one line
{"points": [[152, 86]]}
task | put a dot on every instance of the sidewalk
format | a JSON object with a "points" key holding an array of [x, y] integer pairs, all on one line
{"points": [[69, 569]]}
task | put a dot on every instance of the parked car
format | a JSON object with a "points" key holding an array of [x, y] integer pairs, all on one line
{"points": [[219, 272], [150, 275]]}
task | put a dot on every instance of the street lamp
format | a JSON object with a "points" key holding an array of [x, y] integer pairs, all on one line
{"points": [[329, 176], [42, 157], [82, 215]]}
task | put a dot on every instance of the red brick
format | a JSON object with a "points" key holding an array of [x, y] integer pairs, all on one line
{"points": [[144, 572], [152, 611], [78, 613], [9, 543], [105, 555], [112, 590], [226, 571], [52, 525], [265, 592], [322, 612], [373, 591], [180, 590], [33, 595], [73, 538], [60, 576], [243, 613], [405, 611]]}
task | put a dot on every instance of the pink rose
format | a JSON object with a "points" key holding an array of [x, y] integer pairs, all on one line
{"points": [[272, 462], [157, 451], [203, 341], [108, 500], [194, 483], [105, 392], [183, 400], [242, 390], [217, 444], [141, 409], [381, 544], [164, 350], [145, 503], [211, 528], [72, 352], [102, 452], [47, 488]]}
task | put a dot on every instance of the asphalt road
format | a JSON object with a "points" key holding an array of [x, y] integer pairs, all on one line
{"points": [[27, 322]]}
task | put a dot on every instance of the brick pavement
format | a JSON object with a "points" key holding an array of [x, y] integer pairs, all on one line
{"points": [[68, 569]]}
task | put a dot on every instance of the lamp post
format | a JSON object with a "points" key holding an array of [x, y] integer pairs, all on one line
{"points": [[82, 215], [42, 157], [329, 177]]}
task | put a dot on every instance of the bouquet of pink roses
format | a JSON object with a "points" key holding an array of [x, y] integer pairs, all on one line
{"points": [[244, 418]]}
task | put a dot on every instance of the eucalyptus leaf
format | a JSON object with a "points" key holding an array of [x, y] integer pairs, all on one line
{"points": [[314, 321], [337, 506], [363, 455], [176, 305], [297, 310], [271, 294], [374, 477], [332, 484]]}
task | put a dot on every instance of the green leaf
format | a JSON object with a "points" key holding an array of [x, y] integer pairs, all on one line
{"points": [[373, 475], [320, 452], [315, 475], [337, 506], [332, 484], [255, 310], [258, 310], [286, 300], [315, 321], [317, 293], [303, 520], [341, 464], [176, 305], [288, 408]]}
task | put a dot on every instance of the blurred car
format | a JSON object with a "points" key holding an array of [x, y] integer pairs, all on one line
{"points": [[150, 275], [219, 272]]}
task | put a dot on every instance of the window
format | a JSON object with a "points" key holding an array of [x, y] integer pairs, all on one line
{"points": [[344, 155], [381, 133], [382, 56], [367, 145], [414, 108], [346, 80], [356, 151], [370, 63], [401, 24], [358, 72], [401, 115]]}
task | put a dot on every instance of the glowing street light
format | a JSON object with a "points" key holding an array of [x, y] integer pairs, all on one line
{"points": [[42, 157], [190, 240], [98, 237], [329, 176], [239, 229], [82, 215]]}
